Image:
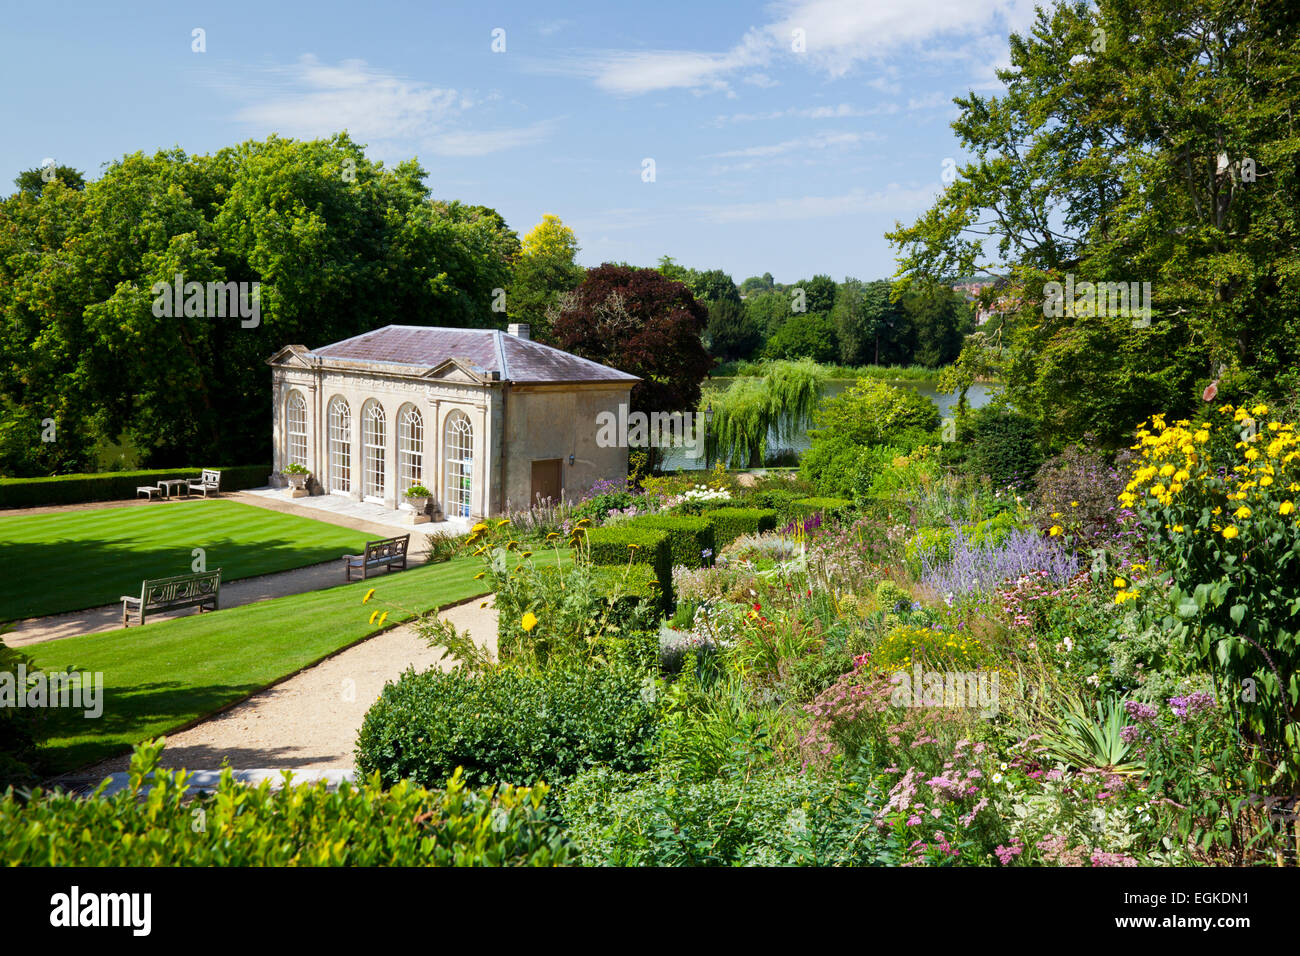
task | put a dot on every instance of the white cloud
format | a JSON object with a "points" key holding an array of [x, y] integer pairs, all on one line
{"points": [[839, 111], [482, 142], [893, 200], [839, 35], [393, 115], [817, 141]]}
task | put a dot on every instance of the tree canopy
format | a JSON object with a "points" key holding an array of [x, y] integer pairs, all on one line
{"points": [[338, 245], [1137, 142]]}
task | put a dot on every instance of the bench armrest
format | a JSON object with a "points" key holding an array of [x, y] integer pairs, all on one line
{"points": [[129, 599]]}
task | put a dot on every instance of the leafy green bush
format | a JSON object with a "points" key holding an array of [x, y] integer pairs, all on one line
{"points": [[690, 540], [830, 509], [504, 725], [768, 819], [624, 544], [298, 825], [575, 611], [114, 485], [869, 413], [872, 462], [1002, 445], [730, 523], [17, 725]]}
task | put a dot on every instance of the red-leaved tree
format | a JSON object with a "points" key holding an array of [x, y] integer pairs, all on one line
{"points": [[641, 322]]}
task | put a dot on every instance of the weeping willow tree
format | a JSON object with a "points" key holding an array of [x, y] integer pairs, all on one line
{"points": [[780, 401]]}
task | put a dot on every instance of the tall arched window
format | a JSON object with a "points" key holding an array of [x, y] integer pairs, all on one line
{"points": [[295, 422], [340, 446], [410, 448], [372, 441], [459, 443]]}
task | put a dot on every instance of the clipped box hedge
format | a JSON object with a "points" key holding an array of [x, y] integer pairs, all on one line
{"points": [[828, 508], [688, 537], [623, 543], [730, 523], [114, 485]]}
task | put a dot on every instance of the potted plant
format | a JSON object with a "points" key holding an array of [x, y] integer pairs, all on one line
{"points": [[297, 476], [417, 496]]}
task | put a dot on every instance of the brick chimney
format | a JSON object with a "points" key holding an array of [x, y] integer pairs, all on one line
{"points": [[518, 329]]}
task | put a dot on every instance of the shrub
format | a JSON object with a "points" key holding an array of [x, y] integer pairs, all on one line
{"points": [[298, 825], [972, 570], [628, 544], [829, 508], [576, 611], [768, 819], [504, 725], [1077, 490], [869, 413], [114, 485], [730, 523], [690, 540], [1003, 445], [18, 735]]}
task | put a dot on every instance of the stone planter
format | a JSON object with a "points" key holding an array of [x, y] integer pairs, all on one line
{"points": [[298, 484], [418, 508]]}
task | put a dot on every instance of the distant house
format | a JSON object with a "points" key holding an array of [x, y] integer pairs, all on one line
{"points": [[971, 290], [482, 418]]}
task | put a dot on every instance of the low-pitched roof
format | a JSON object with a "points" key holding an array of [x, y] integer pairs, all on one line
{"points": [[516, 359]]}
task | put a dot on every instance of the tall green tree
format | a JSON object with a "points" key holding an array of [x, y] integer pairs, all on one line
{"points": [[1148, 141], [337, 245]]}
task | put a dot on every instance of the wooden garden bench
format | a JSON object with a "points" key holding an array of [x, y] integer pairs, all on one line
{"points": [[149, 491], [208, 481], [387, 553], [168, 594]]}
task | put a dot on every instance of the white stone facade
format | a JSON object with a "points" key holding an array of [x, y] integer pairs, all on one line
{"points": [[369, 430]]}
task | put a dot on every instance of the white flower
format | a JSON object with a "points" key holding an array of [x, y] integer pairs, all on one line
{"points": [[997, 778]]}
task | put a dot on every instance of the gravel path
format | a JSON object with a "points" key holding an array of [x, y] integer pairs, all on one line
{"points": [[311, 720]]}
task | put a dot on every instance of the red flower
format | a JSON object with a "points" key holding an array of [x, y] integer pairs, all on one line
{"points": [[757, 606]]}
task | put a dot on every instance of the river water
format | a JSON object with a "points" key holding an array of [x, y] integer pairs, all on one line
{"points": [[978, 396]]}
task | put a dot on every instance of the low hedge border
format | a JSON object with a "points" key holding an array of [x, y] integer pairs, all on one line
{"points": [[730, 523], [689, 539], [114, 485], [614, 546]]}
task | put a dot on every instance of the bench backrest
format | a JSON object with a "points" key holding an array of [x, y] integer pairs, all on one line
{"points": [[211, 477], [162, 592], [387, 547]]}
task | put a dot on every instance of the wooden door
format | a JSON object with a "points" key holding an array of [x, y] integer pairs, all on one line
{"points": [[547, 477]]}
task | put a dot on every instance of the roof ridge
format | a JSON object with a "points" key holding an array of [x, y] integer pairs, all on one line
{"points": [[501, 357]]}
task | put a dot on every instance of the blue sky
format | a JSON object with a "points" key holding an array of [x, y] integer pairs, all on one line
{"points": [[766, 157]]}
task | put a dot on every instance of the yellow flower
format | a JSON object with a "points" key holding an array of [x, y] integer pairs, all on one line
{"points": [[1178, 529], [1285, 508], [503, 521], [528, 621], [369, 595], [1230, 532], [478, 527], [373, 614], [1074, 504], [479, 576], [1241, 513], [1121, 583], [1055, 530], [1259, 410]]}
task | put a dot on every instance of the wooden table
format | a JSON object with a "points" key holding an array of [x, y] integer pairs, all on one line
{"points": [[169, 485]]}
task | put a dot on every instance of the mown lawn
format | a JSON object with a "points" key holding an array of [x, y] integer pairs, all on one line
{"points": [[164, 675], [79, 559]]}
